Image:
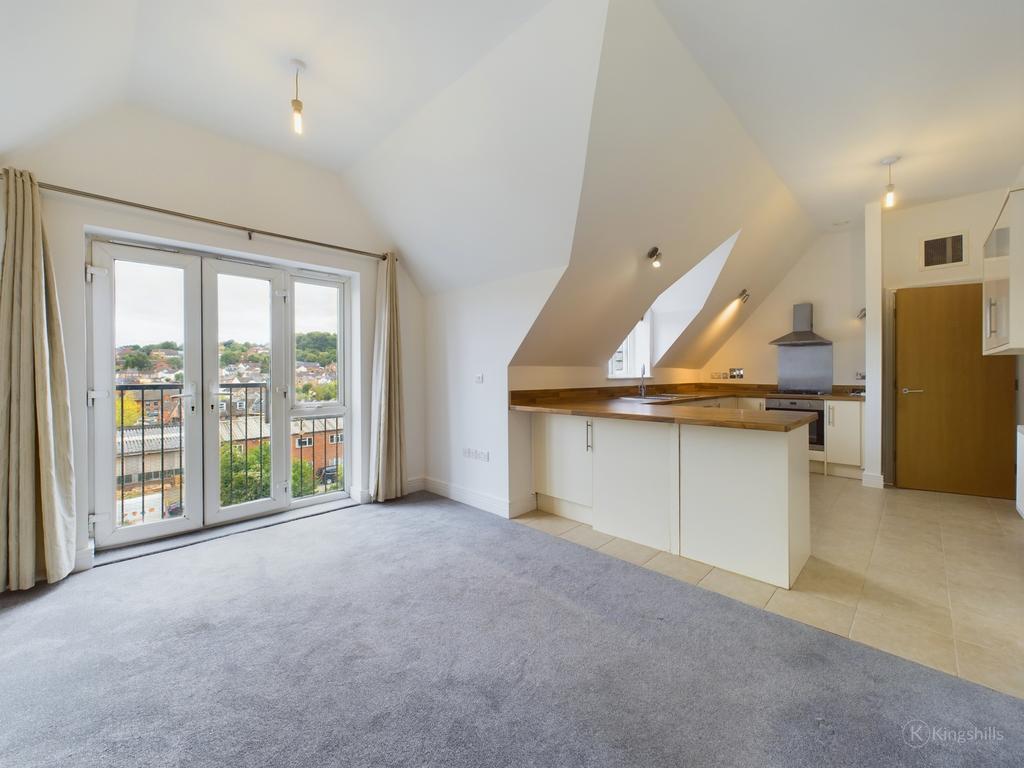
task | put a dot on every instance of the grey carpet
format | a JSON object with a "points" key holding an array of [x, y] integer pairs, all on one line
{"points": [[428, 633]]}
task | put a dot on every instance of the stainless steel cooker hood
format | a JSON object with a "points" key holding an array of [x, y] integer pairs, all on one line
{"points": [[803, 334]]}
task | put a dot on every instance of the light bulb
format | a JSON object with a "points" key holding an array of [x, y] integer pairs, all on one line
{"points": [[656, 263], [890, 196], [297, 115]]}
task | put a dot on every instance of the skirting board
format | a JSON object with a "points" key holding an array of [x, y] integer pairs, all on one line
{"points": [[413, 484], [83, 557], [873, 481], [488, 503]]}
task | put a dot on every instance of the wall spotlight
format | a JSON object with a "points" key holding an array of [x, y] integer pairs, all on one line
{"points": [[655, 256], [744, 295]]}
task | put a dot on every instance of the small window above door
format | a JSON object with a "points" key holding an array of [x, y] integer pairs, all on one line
{"points": [[944, 251]]}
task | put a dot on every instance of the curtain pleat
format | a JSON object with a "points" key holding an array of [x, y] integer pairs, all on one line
{"points": [[387, 437], [37, 482]]}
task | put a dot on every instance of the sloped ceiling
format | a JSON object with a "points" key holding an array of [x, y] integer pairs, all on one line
{"points": [[826, 89], [484, 181], [668, 164]]}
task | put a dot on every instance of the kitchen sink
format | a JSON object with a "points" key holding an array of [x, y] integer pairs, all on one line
{"points": [[655, 399]]}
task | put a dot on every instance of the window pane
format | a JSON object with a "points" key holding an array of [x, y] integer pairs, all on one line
{"points": [[149, 333], [316, 342], [243, 341], [318, 456]]}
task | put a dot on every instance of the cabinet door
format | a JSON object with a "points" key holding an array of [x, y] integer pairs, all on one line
{"points": [[636, 478], [563, 458], [750, 403], [996, 319], [842, 432]]}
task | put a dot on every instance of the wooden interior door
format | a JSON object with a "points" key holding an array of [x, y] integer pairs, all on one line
{"points": [[955, 408]]}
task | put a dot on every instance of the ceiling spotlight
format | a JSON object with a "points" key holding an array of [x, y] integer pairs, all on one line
{"points": [[744, 295], [890, 190], [655, 256], [296, 102]]}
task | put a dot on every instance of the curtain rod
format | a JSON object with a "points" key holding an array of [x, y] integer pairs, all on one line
{"points": [[192, 217]]}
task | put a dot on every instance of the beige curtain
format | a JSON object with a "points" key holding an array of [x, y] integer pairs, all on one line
{"points": [[387, 438], [37, 482]]}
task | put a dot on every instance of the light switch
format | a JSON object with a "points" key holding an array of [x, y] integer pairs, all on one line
{"points": [[478, 379]]}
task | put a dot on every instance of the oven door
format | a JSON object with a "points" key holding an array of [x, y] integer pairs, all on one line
{"points": [[815, 430]]}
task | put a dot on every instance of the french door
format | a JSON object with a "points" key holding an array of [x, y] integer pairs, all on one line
{"points": [[213, 397]]}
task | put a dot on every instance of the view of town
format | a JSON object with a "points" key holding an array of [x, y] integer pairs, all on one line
{"points": [[149, 429]]}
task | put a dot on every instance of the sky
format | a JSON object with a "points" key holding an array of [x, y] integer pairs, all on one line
{"points": [[149, 301]]}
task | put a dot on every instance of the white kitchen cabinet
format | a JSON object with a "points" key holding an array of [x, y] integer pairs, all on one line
{"points": [[636, 482], [843, 432], [1003, 281], [750, 403], [563, 457]]}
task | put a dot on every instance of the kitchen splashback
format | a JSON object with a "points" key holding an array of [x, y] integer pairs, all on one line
{"points": [[805, 368]]}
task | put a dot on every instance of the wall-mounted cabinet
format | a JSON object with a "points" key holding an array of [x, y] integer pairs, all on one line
{"points": [[1002, 326]]}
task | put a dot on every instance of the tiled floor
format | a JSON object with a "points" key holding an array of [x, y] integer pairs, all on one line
{"points": [[932, 577]]}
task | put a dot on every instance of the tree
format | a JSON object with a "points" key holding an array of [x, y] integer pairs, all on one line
{"points": [[246, 476], [132, 412], [138, 360], [303, 479], [317, 347]]}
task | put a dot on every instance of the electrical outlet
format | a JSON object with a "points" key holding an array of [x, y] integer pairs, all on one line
{"points": [[735, 373], [716, 375], [476, 454], [478, 379], [860, 376]]}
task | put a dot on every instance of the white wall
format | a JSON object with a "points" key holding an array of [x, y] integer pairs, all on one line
{"points": [[904, 230], [829, 275], [471, 332], [139, 155], [565, 377]]}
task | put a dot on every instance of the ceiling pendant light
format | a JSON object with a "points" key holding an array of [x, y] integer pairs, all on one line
{"points": [[890, 190], [296, 102]]}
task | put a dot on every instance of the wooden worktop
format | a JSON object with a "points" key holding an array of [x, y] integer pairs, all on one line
{"points": [[734, 418], [697, 391]]}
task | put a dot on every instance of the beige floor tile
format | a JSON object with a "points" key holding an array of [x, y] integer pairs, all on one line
{"points": [[994, 600], [820, 578], [548, 523], [850, 555], [999, 635], [881, 581], [809, 609], [894, 554], [901, 639], [991, 668], [630, 551], [586, 536], [749, 591], [682, 568], [898, 606], [860, 523]]}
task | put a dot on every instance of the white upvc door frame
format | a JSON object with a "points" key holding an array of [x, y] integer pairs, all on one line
{"points": [[102, 394], [278, 401]]}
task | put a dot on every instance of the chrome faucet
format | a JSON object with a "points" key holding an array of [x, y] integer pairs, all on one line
{"points": [[643, 387]]}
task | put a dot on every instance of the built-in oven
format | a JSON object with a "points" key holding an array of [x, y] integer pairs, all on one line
{"points": [[816, 429]]}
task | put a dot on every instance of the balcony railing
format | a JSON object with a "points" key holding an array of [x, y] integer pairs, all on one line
{"points": [[148, 438]]}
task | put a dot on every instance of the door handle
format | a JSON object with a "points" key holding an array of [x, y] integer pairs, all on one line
{"points": [[908, 391]]}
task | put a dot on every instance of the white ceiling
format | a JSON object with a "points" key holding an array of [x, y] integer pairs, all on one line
{"points": [[225, 65], [828, 88]]}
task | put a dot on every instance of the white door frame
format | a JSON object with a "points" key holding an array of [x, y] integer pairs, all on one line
{"points": [[103, 393], [280, 496]]}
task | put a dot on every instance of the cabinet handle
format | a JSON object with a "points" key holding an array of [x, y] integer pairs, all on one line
{"points": [[991, 318], [590, 440], [831, 415]]}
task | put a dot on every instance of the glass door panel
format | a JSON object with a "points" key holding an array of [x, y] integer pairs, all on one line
{"points": [[146, 362], [245, 455]]}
